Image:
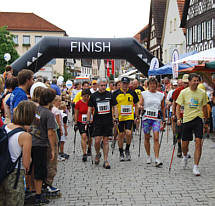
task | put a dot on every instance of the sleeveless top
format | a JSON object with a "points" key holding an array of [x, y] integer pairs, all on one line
{"points": [[14, 147]]}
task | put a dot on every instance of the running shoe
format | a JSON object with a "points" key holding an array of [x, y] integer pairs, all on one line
{"points": [[184, 162], [158, 163], [121, 157], [52, 189], [188, 155], [84, 158], [127, 155], [148, 160], [41, 201], [196, 171], [61, 158]]}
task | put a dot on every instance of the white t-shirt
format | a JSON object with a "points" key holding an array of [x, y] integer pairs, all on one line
{"points": [[169, 96], [152, 104]]}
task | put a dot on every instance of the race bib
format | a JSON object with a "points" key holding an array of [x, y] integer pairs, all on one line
{"points": [[84, 118], [194, 103], [103, 107], [126, 110], [151, 113]]}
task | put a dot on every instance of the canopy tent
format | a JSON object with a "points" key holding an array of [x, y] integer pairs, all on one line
{"points": [[210, 65], [167, 69], [203, 56], [201, 68]]}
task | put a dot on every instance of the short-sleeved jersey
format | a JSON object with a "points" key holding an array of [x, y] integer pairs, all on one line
{"points": [[193, 102], [82, 108], [125, 103], [102, 104], [138, 91]]}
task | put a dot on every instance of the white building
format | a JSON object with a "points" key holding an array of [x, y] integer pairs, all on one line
{"points": [[173, 36]]}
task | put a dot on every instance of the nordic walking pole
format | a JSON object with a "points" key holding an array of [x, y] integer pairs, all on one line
{"points": [[116, 132], [175, 141], [140, 135], [89, 138], [74, 141]]}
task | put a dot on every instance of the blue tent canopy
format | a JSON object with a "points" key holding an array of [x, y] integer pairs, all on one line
{"points": [[167, 69]]}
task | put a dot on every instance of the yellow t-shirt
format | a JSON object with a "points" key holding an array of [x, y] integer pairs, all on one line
{"points": [[193, 102], [77, 97], [201, 86], [138, 92], [125, 103]]}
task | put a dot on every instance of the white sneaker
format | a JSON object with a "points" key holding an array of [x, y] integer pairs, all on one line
{"points": [[158, 163], [196, 171], [148, 160], [184, 162], [61, 158]]}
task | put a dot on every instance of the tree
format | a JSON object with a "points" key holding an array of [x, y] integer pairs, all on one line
{"points": [[7, 45]]}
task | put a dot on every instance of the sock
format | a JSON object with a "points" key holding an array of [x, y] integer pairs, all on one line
{"points": [[121, 150], [195, 166], [157, 160], [37, 196], [179, 144], [127, 147]]}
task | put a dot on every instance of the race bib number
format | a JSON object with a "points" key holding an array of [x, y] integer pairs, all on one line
{"points": [[126, 110], [84, 118], [151, 114], [194, 103], [103, 107]]}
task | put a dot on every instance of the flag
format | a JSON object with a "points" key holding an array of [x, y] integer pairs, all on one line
{"points": [[112, 62], [108, 69]]}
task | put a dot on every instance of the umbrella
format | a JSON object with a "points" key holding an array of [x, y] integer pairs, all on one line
{"points": [[203, 56], [210, 65], [199, 68]]}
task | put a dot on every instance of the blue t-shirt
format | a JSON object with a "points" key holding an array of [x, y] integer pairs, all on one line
{"points": [[15, 98], [56, 88]]}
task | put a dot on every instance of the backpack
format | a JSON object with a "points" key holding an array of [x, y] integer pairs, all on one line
{"points": [[6, 164]]}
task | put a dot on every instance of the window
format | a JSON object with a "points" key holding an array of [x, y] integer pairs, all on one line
{"points": [[195, 33], [209, 29], [190, 36], [26, 40], [203, 30], [37, 39], [199, 33], [15, 39]]}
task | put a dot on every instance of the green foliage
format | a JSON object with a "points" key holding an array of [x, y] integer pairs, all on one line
{"points": [[7, 45], [67, 74]]}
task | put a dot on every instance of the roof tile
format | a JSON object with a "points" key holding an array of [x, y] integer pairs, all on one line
{"points": [[26, 22]]}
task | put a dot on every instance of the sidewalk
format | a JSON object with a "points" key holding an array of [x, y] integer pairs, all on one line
{"points": [[135, 182]]}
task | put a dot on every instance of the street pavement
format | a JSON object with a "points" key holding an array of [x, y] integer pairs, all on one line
{"points": [[135, 182]]}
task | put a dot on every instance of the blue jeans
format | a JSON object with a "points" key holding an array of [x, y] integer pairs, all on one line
{"points": [[213, 117]]}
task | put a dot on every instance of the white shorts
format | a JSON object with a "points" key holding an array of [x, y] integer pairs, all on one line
{"points": [[63, 137]]}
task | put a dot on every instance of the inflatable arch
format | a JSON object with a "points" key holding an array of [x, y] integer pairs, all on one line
{"points": [[96, 48]]}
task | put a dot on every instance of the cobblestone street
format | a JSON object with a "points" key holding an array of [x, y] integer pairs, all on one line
{"points": [[135, 182]]}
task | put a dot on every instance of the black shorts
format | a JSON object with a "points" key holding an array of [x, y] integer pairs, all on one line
{"points": [[102, 130], [178, 131], [195, 126], [39, 161], [125, 125], [82, 130]]}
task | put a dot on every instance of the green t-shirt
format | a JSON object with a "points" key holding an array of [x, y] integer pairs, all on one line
{"points": [[193, 102]]}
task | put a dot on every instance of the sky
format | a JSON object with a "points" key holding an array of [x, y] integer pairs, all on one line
{"points": [[88, 18]]}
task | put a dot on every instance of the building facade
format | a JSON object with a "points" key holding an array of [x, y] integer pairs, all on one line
{"points": [[173, 36], [198, 19], [156, 22], [28, 29]]}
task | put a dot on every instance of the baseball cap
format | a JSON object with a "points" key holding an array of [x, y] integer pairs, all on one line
{"points": [[174, 82], [125, 80], [94, 82], [185, 78]]}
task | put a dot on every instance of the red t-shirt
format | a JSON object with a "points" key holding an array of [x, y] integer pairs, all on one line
{"points": [[176, 93], [1, 122], [82, 108]]}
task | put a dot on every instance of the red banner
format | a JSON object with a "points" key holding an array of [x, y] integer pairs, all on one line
{"points": [[108, 69], [112, 62]]}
